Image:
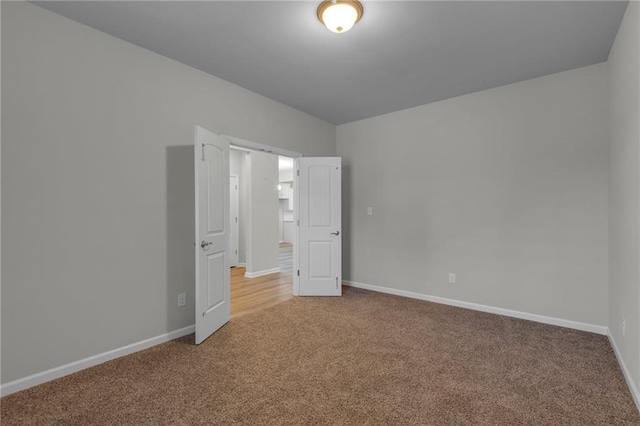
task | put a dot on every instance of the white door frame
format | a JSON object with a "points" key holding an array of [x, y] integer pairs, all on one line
{"points": [[242, 143]]}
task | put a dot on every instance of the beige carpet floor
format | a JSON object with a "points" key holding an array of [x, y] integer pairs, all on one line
{"points": [[365, 358]]}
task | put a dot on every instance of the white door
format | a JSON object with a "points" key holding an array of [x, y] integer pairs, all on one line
{"points": [[234, 230], [212, 236], [320, 229]]}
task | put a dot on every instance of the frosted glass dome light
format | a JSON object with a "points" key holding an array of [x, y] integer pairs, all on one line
{"points": [[339, 15]]}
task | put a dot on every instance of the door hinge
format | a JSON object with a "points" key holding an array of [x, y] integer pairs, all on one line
{"points": [[336, 282], [298, 172], [236, 219], [298, 272], [236, 251], [202, 152]]}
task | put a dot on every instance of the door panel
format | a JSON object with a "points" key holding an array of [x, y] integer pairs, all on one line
{"points": [[214, 164], [320, 238], [320, 259], [215, 272], [319, 185], [234, 231], [212, 237]]}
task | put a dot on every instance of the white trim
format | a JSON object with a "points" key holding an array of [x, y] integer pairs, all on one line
{"points": [[592, 328], [241, 143], [296, 230], [73, 367], [239, 148], [241, 265], [261, 273], [625, 371]]}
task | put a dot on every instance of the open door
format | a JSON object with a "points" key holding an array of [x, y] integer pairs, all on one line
{"points": [[213, 302], [320, 226]]}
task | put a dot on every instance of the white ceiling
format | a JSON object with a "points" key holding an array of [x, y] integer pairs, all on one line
{"points": [[400, 55]]}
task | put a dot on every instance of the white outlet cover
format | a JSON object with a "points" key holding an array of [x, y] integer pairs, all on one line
{"points": [[452, 277]]}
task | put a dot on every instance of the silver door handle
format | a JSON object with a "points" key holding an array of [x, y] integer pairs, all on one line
{"points": [[335, 233], [205, 244]]}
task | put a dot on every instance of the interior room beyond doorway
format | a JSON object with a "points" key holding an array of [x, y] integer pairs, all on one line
{"points": [[262, 232]]}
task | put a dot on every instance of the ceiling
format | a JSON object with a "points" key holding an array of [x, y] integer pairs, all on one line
{"points": [[400, 55]]}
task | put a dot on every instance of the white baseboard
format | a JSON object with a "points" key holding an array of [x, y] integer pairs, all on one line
{"points": [[592, 328], [73, 367], [261, 273], [633, 388], [241, 265]]}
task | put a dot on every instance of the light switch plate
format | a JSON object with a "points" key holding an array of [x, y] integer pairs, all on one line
{"points": [[182, 299]]}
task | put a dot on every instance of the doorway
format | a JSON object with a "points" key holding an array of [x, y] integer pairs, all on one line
{"points": [[316, 213], [261, 227]]}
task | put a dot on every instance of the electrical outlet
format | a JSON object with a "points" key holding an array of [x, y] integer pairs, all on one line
{"points": [[624, 326], [182, 299], [452, 277], [369, 211]]}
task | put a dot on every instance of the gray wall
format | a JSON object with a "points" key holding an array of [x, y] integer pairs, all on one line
{"points": [[97, 185], [262, 236], [624, 189], [506, 187], [258, 174]]}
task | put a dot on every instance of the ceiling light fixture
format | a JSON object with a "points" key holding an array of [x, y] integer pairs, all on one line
{"points": [[340, 15]]}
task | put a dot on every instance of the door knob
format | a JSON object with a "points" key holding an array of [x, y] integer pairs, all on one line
{"points": [[335, 233], [205, 244]]}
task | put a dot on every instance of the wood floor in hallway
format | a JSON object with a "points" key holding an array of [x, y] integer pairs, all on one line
{"points": [[253, 294]]}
